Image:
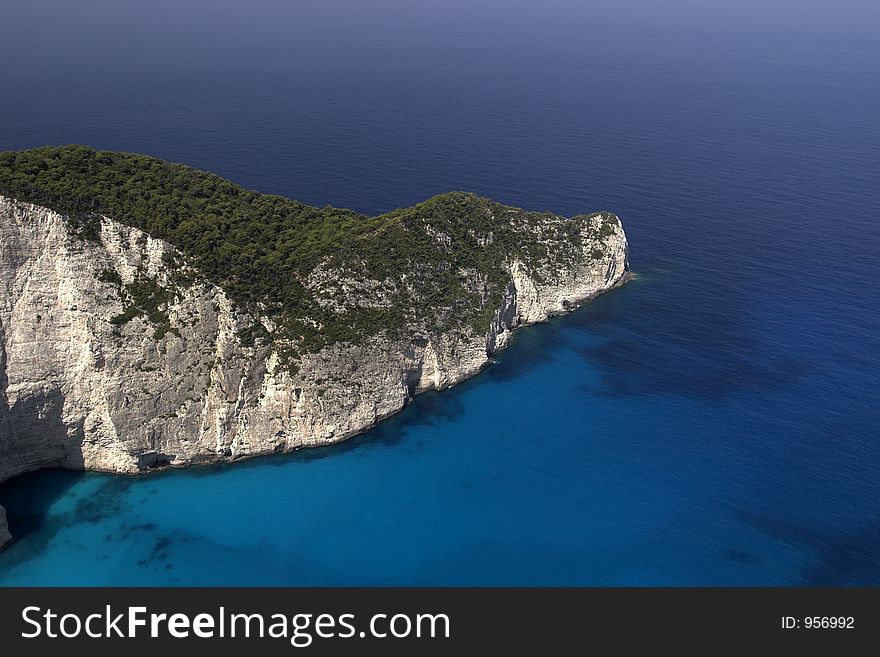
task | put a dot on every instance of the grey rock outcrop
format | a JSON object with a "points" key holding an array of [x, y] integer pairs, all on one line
{"points": [[79, 391]]}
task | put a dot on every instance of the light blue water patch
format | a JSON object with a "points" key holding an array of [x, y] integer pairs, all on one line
{"points": [[532, 473]]}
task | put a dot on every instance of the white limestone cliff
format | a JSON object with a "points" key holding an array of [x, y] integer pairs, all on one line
{"points": [[77, 391]]}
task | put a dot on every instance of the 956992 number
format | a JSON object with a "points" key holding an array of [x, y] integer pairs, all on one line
{"points": [[819, 622]]}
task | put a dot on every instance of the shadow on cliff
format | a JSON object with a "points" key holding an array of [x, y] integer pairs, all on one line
{"points": [[41, 504], [30, 497]]}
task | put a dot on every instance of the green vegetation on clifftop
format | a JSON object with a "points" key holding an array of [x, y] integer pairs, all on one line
{"points": [[321, 275]]}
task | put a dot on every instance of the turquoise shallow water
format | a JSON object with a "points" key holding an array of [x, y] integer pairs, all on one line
{"points": [[540, 471], [507, 477], [713, 422]]}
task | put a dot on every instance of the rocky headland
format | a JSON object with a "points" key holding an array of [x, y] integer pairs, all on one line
{"points": [[154, 316]]}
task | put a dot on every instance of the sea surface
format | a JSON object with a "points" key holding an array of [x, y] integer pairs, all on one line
{"points": [[714, 422]]}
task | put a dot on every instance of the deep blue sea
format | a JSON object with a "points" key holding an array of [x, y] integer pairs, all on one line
{"points": [[715, 422]]}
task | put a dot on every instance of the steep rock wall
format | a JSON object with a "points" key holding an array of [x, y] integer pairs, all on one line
{"points": [[80, 391]]}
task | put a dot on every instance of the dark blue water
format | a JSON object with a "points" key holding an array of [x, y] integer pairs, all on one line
{"points": [[714, 422]]}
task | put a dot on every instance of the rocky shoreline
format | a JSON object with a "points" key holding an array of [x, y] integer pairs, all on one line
{"points": [[77, 391]]}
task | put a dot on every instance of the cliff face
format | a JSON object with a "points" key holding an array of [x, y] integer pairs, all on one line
{"points": [[80, 391]]}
